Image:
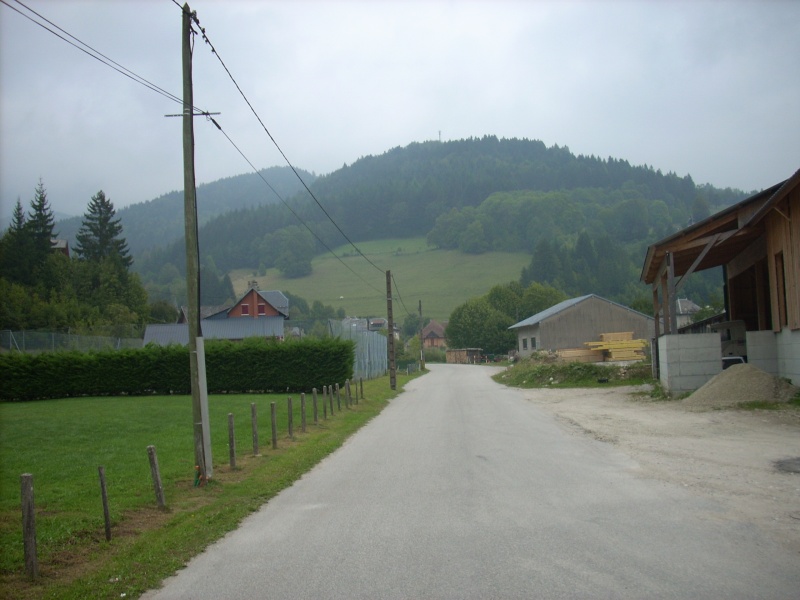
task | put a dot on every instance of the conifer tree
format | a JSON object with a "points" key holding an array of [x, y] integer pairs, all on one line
{"points": [[14, 248], [40, 226], [98, 237]]}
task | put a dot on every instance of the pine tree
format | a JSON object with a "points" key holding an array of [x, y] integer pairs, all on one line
{"points": [[14, 249], [40, 227], [98, 237]]}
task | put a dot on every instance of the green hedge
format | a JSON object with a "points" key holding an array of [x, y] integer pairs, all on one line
{"points": [[254, 365]]}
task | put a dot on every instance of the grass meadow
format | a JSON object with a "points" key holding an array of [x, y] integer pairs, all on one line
{"points": [[63, 442], [442, 279]]}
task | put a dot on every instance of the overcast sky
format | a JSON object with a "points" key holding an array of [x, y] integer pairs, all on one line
{"points": [[710, 89]]}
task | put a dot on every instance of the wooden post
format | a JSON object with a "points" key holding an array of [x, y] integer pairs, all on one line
{"points": [[316, 408], [421, 341], [254, 420], [291, 418], [338, 399], [390, 338], [274, 426], [104, 497], [231, 442], [29, 526], [325, 402], [156, 475], [303, 412], [361, 385], [190, 236], [349, 399], [330, 397]]}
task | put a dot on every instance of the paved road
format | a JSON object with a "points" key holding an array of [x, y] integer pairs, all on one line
{"points": [[462, 489]]}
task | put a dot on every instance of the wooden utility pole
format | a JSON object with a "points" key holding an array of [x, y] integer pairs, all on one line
{"points": [[192, 249], [421, 341], [390, 339]]}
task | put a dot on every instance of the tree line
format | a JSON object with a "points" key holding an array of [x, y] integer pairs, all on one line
{"points": [[475, 195], [93, 291]]}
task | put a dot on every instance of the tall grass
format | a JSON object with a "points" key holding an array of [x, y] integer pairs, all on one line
{"points": [[62, 443]]}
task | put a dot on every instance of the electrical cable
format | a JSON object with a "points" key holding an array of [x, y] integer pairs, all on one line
{"points": [[275, 143], [97, 55], [285, 203]]}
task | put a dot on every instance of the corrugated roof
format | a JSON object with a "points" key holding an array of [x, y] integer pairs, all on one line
{"points": [[215, 329], [553, 310], [562, 306]]}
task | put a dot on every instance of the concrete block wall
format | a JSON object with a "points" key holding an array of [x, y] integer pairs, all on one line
{"points": [[788, 346], [762, 350], [687, 362]]}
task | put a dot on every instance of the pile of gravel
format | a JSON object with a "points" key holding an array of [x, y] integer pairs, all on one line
{"points": [[738, 384]]}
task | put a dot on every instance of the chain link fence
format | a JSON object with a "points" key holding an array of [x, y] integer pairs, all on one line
{"points": [[51, 341]]}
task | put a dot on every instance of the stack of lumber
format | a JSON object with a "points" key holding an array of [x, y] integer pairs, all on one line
{"points": [[581, 355], [619, 346]]}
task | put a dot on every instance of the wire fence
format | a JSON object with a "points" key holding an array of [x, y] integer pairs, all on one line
{"points": [[52, 341]]}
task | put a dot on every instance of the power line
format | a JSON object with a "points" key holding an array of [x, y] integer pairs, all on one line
{"points": [[87, 49], [285, 203], [288, 162], [264, 127]]}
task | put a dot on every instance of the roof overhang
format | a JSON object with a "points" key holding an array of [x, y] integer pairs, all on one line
{"points": [[718, 239]]}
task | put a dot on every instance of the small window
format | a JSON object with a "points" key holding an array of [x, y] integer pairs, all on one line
{"points": [[524, 343], [245, 309], [262, 310], [533, 343]]}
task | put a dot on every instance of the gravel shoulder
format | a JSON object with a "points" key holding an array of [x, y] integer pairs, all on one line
{"points": [[720, 452]]}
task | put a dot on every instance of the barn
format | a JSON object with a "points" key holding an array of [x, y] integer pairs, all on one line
{"points": [[572, 323]]}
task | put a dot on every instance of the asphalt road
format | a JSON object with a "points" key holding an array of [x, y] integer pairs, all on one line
{"points": [[462, 489]]}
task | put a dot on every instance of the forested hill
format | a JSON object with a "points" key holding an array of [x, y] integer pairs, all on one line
{"points": [[475, 194], [159, 222]]}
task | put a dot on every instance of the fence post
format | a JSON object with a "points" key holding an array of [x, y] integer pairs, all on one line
{"points": [[156, 475], [274, 426], [254, 420], [303, 412], [291, 418], [349, 399], [330, 397], [104, 496], [316, 409], [361, 383], [231, 442], [29, 526], [338, 399]]}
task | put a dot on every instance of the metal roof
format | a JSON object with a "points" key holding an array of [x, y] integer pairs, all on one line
{"points": [[216, 329], [547, 313], [562, 306]]}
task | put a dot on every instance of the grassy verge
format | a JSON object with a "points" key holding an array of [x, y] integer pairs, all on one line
{"points": [[62, 443], [542, 371]]}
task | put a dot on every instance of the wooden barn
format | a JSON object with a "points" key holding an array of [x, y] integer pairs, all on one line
{"points": [[757, 242], [572, 323]]}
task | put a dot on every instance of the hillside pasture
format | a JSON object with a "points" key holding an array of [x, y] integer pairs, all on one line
{"points": [[442, 279]]}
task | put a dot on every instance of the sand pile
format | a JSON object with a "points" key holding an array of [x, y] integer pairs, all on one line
{"points": [[738, 384]]}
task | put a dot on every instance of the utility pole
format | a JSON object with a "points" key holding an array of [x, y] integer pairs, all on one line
{"points": [[421, 341], [390, 319], [202, 449]]}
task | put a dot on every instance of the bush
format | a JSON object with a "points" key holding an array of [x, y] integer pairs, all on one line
{"points": [[253, 365]]}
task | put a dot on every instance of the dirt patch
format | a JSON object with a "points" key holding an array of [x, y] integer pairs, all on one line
{"points": [[710, 448]]}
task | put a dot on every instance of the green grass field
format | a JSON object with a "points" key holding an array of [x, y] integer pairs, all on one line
{"points": [[441, 279], [62, 443]]}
